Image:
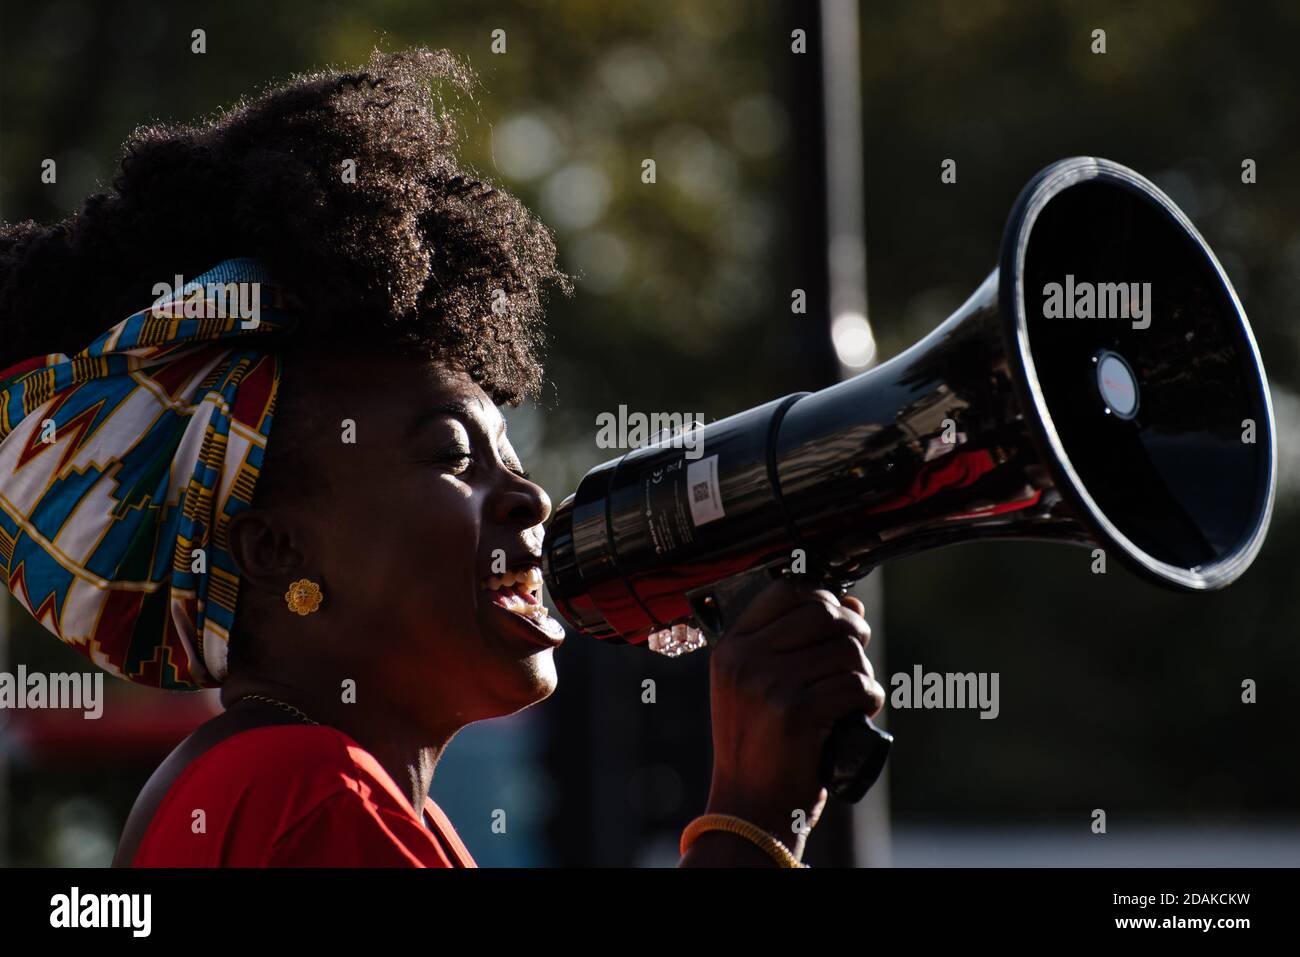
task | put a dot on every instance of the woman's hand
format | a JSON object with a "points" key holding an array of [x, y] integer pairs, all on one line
{"points": [[791, 666]]}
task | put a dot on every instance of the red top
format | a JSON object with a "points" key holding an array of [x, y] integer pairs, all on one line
{"points": [[291, 795]]}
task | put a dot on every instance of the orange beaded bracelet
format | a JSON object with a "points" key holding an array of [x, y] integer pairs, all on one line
{"points": [[742, 828]]}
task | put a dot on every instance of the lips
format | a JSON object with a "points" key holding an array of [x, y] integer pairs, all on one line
{"points": [[519, 593]]}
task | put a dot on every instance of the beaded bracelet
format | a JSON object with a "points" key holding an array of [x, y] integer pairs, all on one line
{"points": [[742, 828]]}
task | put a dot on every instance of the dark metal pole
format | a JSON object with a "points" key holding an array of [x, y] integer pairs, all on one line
{"points": [[828, 220], [851, 333]]}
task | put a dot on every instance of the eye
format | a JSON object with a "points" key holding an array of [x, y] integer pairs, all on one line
{"points": [[520, 471], [457, 459]]}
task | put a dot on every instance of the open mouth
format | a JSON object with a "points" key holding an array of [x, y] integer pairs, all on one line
{"points": [[519, 592]]}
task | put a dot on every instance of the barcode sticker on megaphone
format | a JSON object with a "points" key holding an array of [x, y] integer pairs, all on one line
{"points": [[703, 491]]}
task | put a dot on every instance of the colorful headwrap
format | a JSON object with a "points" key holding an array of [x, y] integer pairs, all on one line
{"points": [[120, 468]]}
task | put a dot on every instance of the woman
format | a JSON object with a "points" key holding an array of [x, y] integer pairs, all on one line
{"points": [[361, 579]]}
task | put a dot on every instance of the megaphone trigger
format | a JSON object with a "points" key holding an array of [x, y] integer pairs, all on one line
{"points": [[717, 607]]}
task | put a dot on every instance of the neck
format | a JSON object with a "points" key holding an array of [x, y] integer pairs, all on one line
{"points": [[409, 755]]}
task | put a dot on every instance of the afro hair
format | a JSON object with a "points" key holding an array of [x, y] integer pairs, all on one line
{"points": [[412, 251]]}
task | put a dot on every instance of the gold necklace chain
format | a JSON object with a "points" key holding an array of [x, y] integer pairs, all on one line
{"points": [[302, 716], [282, 705]]}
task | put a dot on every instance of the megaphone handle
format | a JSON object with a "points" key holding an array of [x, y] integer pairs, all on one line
{"points": [[853, 757], [855, 751]]}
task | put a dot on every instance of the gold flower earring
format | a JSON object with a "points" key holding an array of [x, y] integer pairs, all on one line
{"points": [[303, 596]]}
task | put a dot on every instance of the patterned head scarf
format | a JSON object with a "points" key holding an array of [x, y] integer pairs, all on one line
{"points": [[121, 467]]}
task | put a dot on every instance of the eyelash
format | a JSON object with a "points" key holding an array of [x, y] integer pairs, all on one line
{"points": [[456, 455]]}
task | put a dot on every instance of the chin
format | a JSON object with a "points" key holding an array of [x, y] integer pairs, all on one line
{"points": [[542, 674], [532, 680], [522, 660]]}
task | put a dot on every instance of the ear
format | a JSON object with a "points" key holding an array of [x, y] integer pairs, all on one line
{"points": [[265, 550]]}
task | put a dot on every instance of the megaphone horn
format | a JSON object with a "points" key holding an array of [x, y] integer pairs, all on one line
{"points": [[1101, 387]]}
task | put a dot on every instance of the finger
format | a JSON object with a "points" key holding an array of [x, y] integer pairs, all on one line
{"points": [[851, 604], [842, 621], [771, 603], [838, 657], [809, 624], [778, 598], [824, 703], [826, 595]]}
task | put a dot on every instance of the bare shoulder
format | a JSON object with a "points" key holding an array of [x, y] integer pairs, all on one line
{"points": [[299, 746]]}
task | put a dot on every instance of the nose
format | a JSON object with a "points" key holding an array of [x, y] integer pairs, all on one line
{"points": [[521, 502]]}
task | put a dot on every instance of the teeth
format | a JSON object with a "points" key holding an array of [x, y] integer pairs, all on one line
{"points": [[506, 596], [529, 578]]}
